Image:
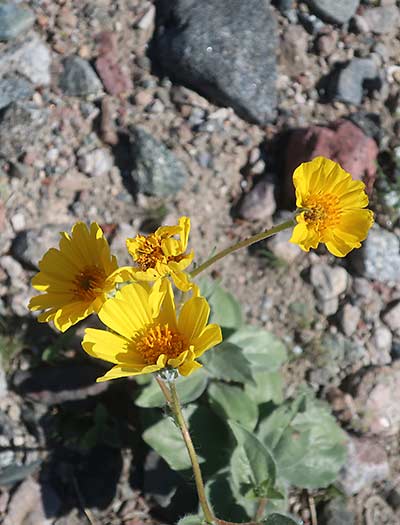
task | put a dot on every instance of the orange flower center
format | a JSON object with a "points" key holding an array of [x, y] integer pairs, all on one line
{"points": [[89, 283], [322, 211], [149, 251], [160, 339]]}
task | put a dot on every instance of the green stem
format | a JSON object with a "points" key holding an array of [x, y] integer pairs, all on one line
{"points": [[177, 410], [243, 244]]}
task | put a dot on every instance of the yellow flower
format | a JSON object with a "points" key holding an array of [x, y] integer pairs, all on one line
{"points": [[76, 278], [147, 335], [161, 253], [333, 208]]}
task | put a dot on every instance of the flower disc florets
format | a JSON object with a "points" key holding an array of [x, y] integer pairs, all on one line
{"points": [[163, 253]]}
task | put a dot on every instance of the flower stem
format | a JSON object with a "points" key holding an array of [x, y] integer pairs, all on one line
{"points": [[164, 390], [243, 244], [260, 509], [177, 410]]}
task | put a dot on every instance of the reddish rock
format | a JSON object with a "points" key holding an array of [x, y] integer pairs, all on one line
{"points": [[114, 79], [342, 141]]}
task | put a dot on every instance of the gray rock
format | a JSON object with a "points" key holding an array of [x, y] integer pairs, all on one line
{"points": [[29, 246], [259, 203], [338, 12], [78, 78], [284, 5], [336, 357], [14, 20], [156, 171], [14, 88], [20, 126], [377, 400], [224, 50], [30, 58], [336, 513], [283, 249], [379, 259], [380, 346], [351, 80], [383, 19], [392, 318], [350, 316], [329, 283], [367, 462]]}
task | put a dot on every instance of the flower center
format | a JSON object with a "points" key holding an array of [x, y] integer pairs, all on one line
{"points": [[160, 339], [322, 211], [148, 252], [89, 283]]}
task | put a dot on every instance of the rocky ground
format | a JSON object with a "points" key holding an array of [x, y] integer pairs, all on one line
{"points": [[132, 113]]}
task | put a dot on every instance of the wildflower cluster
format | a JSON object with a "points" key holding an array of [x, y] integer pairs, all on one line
{"points": [[146, 333], [156, 320]]}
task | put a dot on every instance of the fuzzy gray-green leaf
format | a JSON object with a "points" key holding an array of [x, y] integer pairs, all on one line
{"points": [[231, 402]]}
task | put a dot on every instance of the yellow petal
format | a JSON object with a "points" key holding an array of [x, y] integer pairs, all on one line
{"points": [[184, 224], [177, 361], [125, 371], [188, 367], [339, 247], [209, 337], [128, 312], [111, 347], [193, 317], [166, 308], [181, 280], [70, 314]]}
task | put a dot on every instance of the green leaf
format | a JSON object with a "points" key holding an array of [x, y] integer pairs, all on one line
{"points": [[224, 502], [225, 309], [307, 443], [189, 389], [262, 349], [191, 520], [144, 379], [227, 362], [166, 439], [280, 519], [231, 402], [209, 434], [267, 386], [258, 457]]}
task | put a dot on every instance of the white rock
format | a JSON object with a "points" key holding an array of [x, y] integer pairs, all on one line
{"points": [[329, 281], [96, 163], [30, 58], [349, 319], [392, 318]]}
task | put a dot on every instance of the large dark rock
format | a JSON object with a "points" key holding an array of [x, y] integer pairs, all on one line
{"points": [[224, 50]]}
